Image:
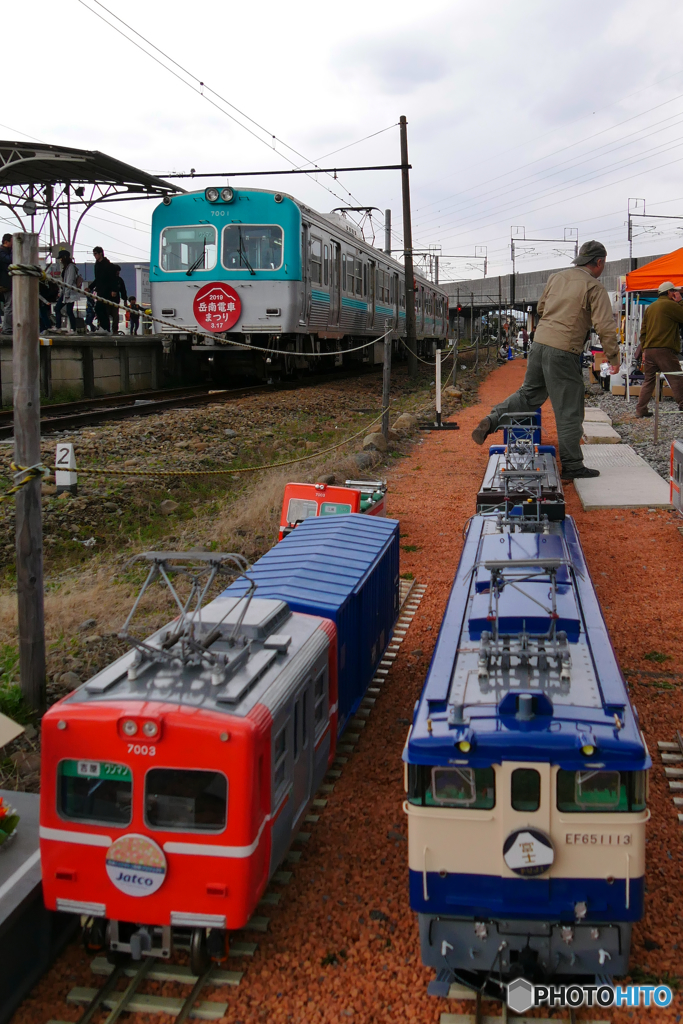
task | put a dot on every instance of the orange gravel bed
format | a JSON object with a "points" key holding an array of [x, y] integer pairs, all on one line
{"points": [[343, 944]]}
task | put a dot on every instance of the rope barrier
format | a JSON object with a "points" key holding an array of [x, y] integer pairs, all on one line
{"points": [[39, 470], [122, 307]]}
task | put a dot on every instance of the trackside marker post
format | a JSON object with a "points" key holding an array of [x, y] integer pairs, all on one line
{"points": [[66, 477], [439, 424], [29, 524]]}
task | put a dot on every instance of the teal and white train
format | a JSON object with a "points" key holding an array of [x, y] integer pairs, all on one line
{"points": [[264, 270]]}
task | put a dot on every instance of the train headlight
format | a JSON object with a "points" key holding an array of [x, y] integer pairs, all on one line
{"points": [[211, 194], [150, 729], [227, 194], [129, 727], [465, 746], [588, 749]]}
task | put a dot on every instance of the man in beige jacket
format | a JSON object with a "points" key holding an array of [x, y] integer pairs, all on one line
{"points": [[572, 300]]}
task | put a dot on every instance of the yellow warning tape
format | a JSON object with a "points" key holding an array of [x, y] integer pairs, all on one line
{"points": [[32, 472]]}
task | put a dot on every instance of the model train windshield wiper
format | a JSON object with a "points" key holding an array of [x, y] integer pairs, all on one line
{"points": [[243, 255], [200, 259]]}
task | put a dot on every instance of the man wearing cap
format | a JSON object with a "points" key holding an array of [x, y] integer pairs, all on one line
{"points": [[572, 300], [660, 343]]}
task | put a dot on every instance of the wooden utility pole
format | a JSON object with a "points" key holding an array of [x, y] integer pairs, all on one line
{"points": [[29, 525], [411, 336], [386, 385]]}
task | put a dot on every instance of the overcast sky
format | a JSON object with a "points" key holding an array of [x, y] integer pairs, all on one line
{"points": [[542, 115]]}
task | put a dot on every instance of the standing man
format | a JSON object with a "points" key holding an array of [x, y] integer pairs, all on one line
{"points": [[525, 342], [6, 282], [660, 342], [67, 296], [121, 296], [105, 286], [571, 301]]}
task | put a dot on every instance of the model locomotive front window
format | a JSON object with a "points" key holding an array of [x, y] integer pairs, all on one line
{"points": [[472, 788], [98, 791], [525, 794], [180, 798], [188, 248], [600, 791], [300, 509], [252, 247]]}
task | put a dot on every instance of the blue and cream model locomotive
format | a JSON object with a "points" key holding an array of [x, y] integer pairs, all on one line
{"points": [[525, 766]]}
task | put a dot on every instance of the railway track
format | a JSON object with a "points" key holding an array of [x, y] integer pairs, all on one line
{"points": [[130, 1000], [73, 415]]}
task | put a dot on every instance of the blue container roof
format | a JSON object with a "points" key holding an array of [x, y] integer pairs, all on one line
{"points": [[323, 561]]}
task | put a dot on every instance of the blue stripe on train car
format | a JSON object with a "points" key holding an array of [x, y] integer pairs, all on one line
{"points": [[344, 568], [528, 898]]}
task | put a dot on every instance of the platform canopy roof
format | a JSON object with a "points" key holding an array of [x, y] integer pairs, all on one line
{"points": [[649, 277], [49, 189]]}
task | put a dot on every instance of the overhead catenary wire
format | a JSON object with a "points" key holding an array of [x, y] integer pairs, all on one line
{"points": [[202, 89]]}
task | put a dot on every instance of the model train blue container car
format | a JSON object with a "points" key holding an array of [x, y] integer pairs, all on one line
{"points": [[344, 568]]}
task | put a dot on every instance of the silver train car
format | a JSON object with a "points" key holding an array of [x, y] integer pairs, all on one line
{"points": [[261, 269]]}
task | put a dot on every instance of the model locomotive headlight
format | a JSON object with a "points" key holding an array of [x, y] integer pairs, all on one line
{"points": [[465, 746], [150, 729], [212, 195], [129, 727], [227, 194], [588, 750]]}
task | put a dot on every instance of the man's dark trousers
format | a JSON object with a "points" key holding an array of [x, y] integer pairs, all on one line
{"points": [[102, 313], [553, 373], [659, 360]]}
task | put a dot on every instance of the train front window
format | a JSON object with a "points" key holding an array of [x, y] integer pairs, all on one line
{"points": [[188, 248], [591, 791], [97, 791], [525, 792], [252, 247], [470, 788], [299, 509], [186, 799]]}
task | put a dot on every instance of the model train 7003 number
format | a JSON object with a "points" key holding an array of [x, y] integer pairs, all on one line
{"points": [[137, 748]]}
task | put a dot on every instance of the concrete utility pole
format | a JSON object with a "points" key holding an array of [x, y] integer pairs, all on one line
{"points": [[411, 335], [29, 524], [387, 232]]}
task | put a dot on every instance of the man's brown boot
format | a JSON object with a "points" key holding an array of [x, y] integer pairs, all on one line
{"points": [[480, 433]]}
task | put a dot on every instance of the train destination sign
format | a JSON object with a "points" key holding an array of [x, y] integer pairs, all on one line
{"points": [[216, 307], [528, 852]]}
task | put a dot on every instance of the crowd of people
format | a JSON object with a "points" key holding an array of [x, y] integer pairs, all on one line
{"points": [[59, 293]]}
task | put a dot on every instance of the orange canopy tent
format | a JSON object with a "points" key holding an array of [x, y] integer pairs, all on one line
{"points": [[649, 277]]}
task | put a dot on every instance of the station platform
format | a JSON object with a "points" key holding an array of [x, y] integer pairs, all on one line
{"points": [[625, 481], [30, 935]]}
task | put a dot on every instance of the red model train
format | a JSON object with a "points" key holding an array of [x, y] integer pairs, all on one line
{"points": [[174, 780]]}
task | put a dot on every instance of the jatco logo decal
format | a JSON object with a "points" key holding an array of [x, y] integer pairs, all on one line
{"points": [[527, 851], [136, 865], [217, 307]]}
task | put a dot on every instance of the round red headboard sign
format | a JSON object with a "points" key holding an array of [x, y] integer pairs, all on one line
{"points": [[217, 307]]}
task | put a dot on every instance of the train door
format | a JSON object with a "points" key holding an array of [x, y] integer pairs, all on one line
{"points": [[524, 796], [305, 275], [394, 297], [335, 282], [372, 291], [302, 750]]}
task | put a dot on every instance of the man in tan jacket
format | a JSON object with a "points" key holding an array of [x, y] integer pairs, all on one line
{"points": [[572, 300], [660, 344]]}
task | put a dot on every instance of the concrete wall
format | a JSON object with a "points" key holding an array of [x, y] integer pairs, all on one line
{"points": [[116, 368], [529, 287]]}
